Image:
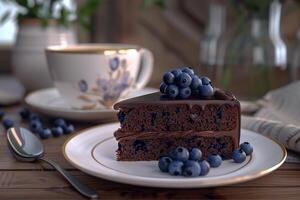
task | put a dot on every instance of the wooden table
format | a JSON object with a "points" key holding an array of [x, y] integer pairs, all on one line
{"points": [[33, 181]]}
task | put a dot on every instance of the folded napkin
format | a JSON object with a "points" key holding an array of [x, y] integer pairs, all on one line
{"points": [[276, 115]]}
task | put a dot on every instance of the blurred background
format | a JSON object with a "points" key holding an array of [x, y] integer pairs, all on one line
{"points": [[246, 46]]}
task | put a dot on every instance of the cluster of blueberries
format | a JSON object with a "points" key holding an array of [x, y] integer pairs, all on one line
{"points": [[35, 122], [190, 163], [183, 83]]}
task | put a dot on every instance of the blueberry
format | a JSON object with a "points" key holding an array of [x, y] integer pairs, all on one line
{"points": [[35, 126], [7, 123], [247, 148], [175, 168], [44, 133], [172, 91], [164, 163], [163, 87], [57, 131], [195, 154], [2, 113], [188, 70], [168, 78], [185, 93], [25, 113], [83, 86], [68, 128], [59, 122], [238, 156], [205, 80], [176, 72], [214, 160], [196, 82], [206, 90], [205, 167], [35, 117], [180, 153], [184, 80], [191, 168]]}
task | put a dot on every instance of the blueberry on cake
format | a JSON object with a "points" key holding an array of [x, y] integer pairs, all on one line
{"points": [[188, 111]]}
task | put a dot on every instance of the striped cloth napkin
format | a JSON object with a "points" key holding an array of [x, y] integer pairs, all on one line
{"points": [[276, 115]]}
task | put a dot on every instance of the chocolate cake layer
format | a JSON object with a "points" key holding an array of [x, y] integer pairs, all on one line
{"points": [[143, 146]]}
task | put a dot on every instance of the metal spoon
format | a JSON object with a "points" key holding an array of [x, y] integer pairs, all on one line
{"points": [[25, 146]]}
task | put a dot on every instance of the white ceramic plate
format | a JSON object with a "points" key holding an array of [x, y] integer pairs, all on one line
{"points": [[93, 151], [49, 102]]}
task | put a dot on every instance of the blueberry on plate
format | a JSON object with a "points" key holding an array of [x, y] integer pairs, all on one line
{"points": [[205, 80], [168, 78], [195, 154], [35, 126], [163, 87], [172, 91], [7, 123], [238, 155], [45, 133], [206, 90], [176, 72], [188, 70], [175, 168], [57, 131], [164, 163], [68, 129], [214, 160], [24, 113], [185, 93], [196, 82], [180, 153], [59, 122], [191, 168], [184, 80], [205, 167], [247, 148]]}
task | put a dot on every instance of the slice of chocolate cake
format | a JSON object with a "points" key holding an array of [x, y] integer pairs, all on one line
{"points": [[152, 125]]}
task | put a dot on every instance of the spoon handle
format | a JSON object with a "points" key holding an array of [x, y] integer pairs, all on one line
{"points": [[82, 189]]}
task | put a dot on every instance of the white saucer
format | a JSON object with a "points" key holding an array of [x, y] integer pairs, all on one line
{"points": [[93, 151], [49, 102]]}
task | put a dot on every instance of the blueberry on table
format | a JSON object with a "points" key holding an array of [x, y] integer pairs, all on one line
{"points": [[180, 153], [196, 82], [45, 133], [168, 78], [206, 90], [68, 129], [57, 131], [164, 163], [176, 72], [24, 113], [172, 91], [214, 160], [238, 155], [188, 70], [59, 122], [2, 113], [184, 80], [35, 126], [163, 87], [175, 168], [205, 80], [7, 123], [185, 93], [247, 148], [191, 168], [205, 167], [195, 154]]}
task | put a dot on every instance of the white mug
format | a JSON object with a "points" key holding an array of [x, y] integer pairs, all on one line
{"points": [[90, 76]]}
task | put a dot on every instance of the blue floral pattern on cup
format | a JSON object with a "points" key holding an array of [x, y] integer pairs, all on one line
{"points": [[109, 89]]}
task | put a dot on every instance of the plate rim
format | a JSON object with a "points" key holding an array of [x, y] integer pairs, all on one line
{"points": [[236, 180]]}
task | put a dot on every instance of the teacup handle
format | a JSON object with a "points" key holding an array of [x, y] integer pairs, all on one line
{"points": [[146, 68]]}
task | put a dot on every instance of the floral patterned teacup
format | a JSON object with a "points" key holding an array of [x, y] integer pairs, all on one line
{"points": [[96, 76]]}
